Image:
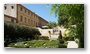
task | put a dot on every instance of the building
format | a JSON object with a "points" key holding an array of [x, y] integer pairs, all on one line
{"points": [[17, 13], [42, 22]]}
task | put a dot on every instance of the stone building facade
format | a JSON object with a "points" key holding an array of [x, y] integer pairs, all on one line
{"points": [[17, 13]]}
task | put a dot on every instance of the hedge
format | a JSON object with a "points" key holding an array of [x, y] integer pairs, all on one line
{"points": [[61, 43], [43, 38], [14, 31]]}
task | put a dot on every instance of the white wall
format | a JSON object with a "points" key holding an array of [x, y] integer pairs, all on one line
{"points": [[9, 11], [7, 19], [44, 32]]}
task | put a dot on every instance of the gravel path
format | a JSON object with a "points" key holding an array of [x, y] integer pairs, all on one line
{"points": [[72, 44]]}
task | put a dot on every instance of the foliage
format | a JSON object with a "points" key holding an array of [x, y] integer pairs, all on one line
{"points": [[71, 14], [62, 46], [35, 44], [60, 36], [43, 38], [12, 32], [61, 41], [71, 33], [51, 25], [66, 38], [69, 38]]}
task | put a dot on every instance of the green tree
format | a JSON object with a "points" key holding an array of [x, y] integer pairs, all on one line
{"points": [[69, 14], [51, 25]]}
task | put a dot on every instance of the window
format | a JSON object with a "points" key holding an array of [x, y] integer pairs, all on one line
{"points": [[25, 20], [21, 18], [12, 20], [28, 13], [36, 23], [20, 9], [12, 7], [5, 7], [28, 21], [25, 11], [33, 15], [32, 22], [36, 17]]}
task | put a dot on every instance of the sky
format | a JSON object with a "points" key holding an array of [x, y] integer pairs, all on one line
{"points": [[42, 10]]}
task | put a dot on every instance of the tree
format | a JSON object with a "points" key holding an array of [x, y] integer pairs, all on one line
{"points": [[71, 14], [51, 25]]}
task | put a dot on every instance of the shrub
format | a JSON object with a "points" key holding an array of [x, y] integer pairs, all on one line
{"points": [[43, 38], [66, 38], [61, 41], [60, 36], [11, 45], [12, 32], [62, 46], [71, 38]]}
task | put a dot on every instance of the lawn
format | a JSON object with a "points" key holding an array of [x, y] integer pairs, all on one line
{"points": [[35, 44]]}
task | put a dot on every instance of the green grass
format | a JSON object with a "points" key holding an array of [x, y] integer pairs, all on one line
{"points": [[35, 44]]}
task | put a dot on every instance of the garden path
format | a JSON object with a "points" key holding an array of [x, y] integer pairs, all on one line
{"points": [[72, 44]]}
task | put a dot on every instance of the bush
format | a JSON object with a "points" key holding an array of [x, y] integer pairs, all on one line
{"points": [[71, 39], [62, 46], [43, 38], [60, 36], [12, 32], [66, 38], [61, 41]]}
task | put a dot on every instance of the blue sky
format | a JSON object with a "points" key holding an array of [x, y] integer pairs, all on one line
{"points": [[42, 10]]}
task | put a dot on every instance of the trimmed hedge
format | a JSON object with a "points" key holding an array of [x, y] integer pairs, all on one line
{"points": [[61, 41], [62, 46], [43, 38], [14, 31]]}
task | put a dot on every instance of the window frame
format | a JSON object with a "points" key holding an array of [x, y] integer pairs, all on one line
{"points": [[28, 21], [21, 9], [25, 19], [21, 18], [25, 11]]}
